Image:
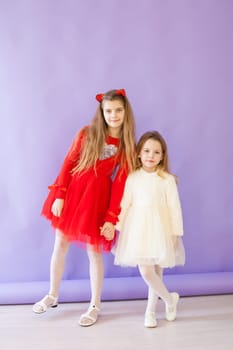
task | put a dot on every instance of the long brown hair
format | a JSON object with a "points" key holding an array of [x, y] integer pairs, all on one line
{"points": [[163, 166], [97, 131]]}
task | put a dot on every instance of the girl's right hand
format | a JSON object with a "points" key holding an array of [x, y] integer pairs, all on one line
{"points": [[57, 207]]}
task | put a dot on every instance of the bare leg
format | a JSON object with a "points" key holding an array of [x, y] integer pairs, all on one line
{"points": [[96, 269], [57, 265]]}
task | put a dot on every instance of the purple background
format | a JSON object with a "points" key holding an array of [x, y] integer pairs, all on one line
{"points": [[175, 60]]}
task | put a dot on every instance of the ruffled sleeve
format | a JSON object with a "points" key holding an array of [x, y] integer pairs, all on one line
{"points": [[60, 185], [174, 207]]}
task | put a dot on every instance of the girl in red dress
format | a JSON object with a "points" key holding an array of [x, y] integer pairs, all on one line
{"points": [[84, 202]]}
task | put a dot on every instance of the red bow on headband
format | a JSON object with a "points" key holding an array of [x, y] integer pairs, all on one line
{"points": [[121, 92]]}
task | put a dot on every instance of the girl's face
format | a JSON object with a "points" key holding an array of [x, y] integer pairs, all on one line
{"points": [[114, 114], [151, 154]]}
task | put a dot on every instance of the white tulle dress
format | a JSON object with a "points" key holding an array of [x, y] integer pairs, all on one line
{"points": [[150, 221]]}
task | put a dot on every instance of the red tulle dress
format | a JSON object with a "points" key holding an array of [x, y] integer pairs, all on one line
{"points": [[91, 197]]}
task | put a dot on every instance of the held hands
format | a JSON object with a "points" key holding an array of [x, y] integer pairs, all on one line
{"points": [[107, 230], [57, 207]]}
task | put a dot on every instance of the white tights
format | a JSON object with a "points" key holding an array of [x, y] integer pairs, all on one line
{"points": [[57, 266], [152, 275]]}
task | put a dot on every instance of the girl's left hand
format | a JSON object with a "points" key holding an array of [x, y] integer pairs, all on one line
{"points": [[108, 231]]}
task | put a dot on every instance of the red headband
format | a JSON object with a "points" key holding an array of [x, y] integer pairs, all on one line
{"points": [[121, 92]]}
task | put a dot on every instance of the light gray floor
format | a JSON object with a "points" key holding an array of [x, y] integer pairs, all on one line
{"points": [[203, 323]]}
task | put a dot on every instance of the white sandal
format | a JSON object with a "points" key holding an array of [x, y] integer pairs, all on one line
{"points": [[171, 309], [42, 305], [150, 319], [90, 317]]}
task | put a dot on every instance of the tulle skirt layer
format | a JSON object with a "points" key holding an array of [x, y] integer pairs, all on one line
{"points": [[143, 241], [85, 207]]}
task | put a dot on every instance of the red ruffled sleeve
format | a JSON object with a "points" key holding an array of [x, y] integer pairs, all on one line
{"points": [[59, 187]]}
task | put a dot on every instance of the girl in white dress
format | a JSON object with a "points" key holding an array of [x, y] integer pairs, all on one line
{"points": [[150, 224]]}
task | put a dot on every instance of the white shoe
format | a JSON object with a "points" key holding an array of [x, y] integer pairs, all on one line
{"points": [[150, 319], [171, 309], [42, 305], [90, 317]]}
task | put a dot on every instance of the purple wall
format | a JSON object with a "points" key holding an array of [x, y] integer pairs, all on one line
{"points": [[174, 58]]}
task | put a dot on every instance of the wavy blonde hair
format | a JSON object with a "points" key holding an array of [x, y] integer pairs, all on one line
{"points": [[97, 131], [163, 166]]}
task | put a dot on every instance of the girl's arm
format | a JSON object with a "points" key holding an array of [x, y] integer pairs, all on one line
{"points": [[174, 207], [116, 210], [125, 203], [63, 179], [116, 196]]}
